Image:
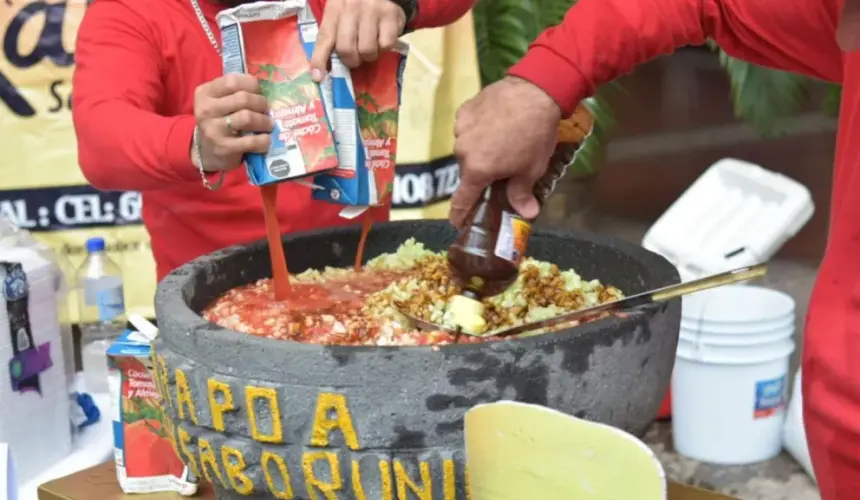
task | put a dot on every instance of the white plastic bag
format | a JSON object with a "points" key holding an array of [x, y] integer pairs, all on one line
{"points": [[11, 236]]}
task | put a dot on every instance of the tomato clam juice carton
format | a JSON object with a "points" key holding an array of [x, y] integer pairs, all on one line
{"points": [[363, 107], [144, 451], [262, 39]]}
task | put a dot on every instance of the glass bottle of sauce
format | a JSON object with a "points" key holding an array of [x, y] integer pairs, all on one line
{"points": [[485, 258]]}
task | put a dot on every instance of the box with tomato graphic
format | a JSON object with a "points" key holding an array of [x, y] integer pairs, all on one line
{"points": [[363, 106], [342, 131], [262, 39], [144, 451]]}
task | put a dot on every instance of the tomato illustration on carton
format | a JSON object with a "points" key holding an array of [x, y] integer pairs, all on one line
{"points": [[262, 39], [144, 451], [378, 88]]}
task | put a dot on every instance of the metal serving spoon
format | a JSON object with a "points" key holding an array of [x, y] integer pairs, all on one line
{"points": [[626, 304]]}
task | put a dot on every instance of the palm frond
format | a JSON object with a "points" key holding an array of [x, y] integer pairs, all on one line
{"points": [[764, 97]]}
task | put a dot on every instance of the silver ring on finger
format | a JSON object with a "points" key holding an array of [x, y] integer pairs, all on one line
{"points": [[230, 130]]}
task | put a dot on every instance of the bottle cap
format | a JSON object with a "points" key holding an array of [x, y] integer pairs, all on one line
{"points": [[95, 245], [468, 314]]}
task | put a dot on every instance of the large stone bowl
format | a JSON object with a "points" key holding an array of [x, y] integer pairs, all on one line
{"points": [[278, 419]]}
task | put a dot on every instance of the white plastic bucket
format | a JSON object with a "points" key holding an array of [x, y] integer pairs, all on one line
{"points": [[731, 375], [732, 355], [712, 338], [738, 304], [740, 328]]}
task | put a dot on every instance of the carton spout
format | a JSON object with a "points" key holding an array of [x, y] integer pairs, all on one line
{"points": [[144, 327], [351, 212]]}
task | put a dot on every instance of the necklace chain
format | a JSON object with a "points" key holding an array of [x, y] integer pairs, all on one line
{"points": [[195, 142], [205, 25]]}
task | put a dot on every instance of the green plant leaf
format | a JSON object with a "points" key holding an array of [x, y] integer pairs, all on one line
{"points": [[832, 100], [764, 97], [591, 155], [551, 12], [503, 31]]}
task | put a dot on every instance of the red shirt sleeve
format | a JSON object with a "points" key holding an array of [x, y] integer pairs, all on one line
{"points": [[600, 40], [123, 143], [434, 13]]}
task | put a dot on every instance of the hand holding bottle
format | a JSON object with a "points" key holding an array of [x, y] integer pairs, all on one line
{"points": [[508, 131]]}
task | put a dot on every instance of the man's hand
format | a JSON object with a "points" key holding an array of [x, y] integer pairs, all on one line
{"points": [[358, 30], [225, 108], [508, 131]]}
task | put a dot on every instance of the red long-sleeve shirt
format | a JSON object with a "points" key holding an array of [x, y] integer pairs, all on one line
{"points": [[137, 65], [602, 39]]}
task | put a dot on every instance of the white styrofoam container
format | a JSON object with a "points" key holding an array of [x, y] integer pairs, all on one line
{"points": [[735, 214], [8, 484], [36, 424]]}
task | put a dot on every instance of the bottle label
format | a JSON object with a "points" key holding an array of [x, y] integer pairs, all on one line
{"points": [[106, 295], [110, 303], [514, 233]]}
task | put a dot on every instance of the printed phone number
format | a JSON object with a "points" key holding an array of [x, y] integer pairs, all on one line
{"points": [[81, 207], [70, 207], [418, 185]]}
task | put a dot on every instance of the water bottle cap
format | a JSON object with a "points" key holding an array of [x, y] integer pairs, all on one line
{"points": [[95, 245]]}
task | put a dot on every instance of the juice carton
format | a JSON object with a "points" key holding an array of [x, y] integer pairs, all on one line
{"points": [[262, 39], [363, 107], [146, 460]]}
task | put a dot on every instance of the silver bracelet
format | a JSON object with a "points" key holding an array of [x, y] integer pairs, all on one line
{"points": [[195, 145]]}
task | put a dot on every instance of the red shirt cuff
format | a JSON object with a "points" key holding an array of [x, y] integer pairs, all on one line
{"points": [[555, 75], [178, 148]]}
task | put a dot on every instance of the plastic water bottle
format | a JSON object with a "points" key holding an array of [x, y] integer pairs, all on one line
{"points": [[101, 312]]}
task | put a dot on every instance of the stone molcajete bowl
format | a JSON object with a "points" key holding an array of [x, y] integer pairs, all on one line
{"points": [[277, 419]]}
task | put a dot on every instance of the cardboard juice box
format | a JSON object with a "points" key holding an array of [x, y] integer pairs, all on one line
{"points": [[144, 452], [363, 107], [262, 39]]}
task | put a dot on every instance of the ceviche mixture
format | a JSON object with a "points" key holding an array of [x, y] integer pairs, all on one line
{"points": [[345, 307]]}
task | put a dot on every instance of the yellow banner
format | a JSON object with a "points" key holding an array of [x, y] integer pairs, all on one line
{"points": [[41, 186], [441, 73]]}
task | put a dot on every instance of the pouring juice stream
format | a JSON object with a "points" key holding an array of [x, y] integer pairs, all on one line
{"points": [[302, 144], [280, 272], [339, 136], [366, 224]]}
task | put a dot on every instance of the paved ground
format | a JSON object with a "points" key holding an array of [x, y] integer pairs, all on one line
{"points": [[778, 479]]}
